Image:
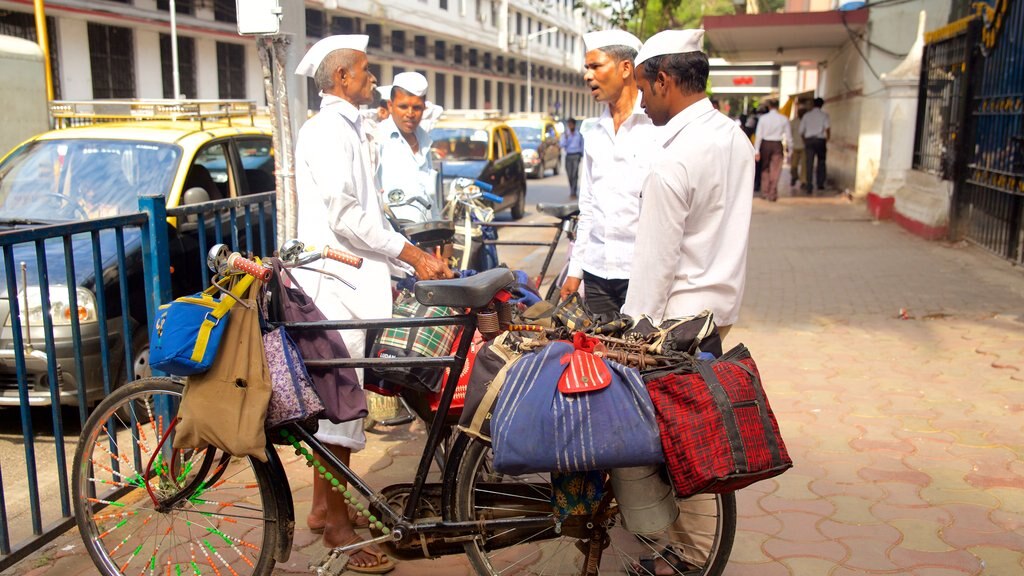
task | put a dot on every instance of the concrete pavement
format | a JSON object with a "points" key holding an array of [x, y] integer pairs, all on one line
{"points": [[907, 429]]}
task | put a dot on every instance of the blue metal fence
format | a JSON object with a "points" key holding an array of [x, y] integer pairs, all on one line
{"points": [[84, 291]]}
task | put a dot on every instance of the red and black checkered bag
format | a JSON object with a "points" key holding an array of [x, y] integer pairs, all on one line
{"points": [[717, 430]]}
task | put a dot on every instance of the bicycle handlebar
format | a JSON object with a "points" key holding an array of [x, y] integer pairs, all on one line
{"points": [[236, 261], [483, 185], [342, 256], [492, 197]]}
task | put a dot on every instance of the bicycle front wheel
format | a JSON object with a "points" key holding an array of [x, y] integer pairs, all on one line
{"points": [[144, 508], [480, 493]]}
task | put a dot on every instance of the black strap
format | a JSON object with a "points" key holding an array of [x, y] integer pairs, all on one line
{"points": [[725, 408], [762, 410]]}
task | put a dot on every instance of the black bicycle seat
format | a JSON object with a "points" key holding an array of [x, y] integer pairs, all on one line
{"points": [[473, 292], [560, 211]]}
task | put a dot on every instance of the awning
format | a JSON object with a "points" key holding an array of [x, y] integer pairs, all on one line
{"points": [[786, 37]]}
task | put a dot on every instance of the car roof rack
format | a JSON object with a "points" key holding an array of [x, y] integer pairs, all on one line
{"points": [[84, 112], [474, 114]]}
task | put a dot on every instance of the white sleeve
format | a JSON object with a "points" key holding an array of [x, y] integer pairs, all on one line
{"points": [[586, 218]]}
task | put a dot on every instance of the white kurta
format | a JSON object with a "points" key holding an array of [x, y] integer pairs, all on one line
{"points": [[412, 173], [338, 206], [691, 244], [613, 168]]}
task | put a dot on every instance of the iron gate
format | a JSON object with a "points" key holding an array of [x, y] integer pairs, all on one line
{"points": [[988, 202]]}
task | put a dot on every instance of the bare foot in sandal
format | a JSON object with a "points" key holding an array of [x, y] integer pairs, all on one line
{"points": [[366, 560], [316, 520]]}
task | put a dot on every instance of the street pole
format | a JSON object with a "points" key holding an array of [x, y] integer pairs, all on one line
{"points": [[529, 69], [44, 44], [174, 51]]}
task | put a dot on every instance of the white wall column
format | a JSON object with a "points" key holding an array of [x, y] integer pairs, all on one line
{"points": [[206, 73], [75, 67], [148, 68]]}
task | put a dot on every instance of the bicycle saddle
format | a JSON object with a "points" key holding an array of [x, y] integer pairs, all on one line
{"points": [[560, 211], [473, 292]]}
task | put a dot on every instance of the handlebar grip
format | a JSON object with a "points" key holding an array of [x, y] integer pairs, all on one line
{"points": [[236, 261], [483, 185], [343, 257], [492, 197]]}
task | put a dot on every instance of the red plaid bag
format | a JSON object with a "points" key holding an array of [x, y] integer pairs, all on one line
{"points": [[717, 430]]}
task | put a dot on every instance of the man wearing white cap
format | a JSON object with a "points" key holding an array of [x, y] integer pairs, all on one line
{"points": [[338, 205], [406, 171], [616, 157], [691, 244]]}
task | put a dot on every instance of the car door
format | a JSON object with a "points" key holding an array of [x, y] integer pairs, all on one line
{"points": [[551, 148], [515, 171]]}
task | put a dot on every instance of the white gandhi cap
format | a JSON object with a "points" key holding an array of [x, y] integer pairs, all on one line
{"points": [[385, 91], [316, 54], [606, 38], [412, 82], [671, 42]]}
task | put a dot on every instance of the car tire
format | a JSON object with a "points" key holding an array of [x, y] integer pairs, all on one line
{"points": [[519, 208]]}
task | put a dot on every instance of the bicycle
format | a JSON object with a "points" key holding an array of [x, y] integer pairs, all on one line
{"points": [[143, 507]]}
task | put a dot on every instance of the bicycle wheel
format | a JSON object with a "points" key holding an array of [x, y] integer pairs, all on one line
{"points": [[212, 514], [481, 493]]}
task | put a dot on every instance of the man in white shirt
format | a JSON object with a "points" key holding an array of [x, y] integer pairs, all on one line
{"points": [[816, 130], [338, 206], [406, 171], [616, 155], [771, 136], [691, 244]]}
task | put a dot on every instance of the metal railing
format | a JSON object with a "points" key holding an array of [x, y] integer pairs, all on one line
{"points": [[78, 298]]}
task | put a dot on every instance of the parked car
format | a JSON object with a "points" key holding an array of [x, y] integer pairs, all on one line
{"points": [[483, 147], [97, 171], [541, 146]]}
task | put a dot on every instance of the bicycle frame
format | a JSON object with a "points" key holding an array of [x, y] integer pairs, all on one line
{"points": [[552, 244], [403, 524]]}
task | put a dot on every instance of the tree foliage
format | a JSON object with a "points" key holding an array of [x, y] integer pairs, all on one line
{"points": [[644, 18]]}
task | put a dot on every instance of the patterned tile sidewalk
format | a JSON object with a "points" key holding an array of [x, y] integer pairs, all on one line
{"points": [[908, 434]]}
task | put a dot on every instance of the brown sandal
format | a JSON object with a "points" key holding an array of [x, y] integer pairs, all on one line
{"points": [[383, 565]]}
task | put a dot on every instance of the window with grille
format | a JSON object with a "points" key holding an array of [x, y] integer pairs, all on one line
{"points": [[224, 11], [519, 23], [374, 32], [230, 70], [112, 61], [488, 103], [512, 98], [487, 60], [444, 4], [473, 57], [419, 46], [472, 92], [439, 50], [315, 23], [186, 66], [23, 25], [457, 91], [377, 72], [457, 54], [343, 25], [511, 68], [398, 41], [180, 6], [499, 89], [499, 64], [396, 70]]}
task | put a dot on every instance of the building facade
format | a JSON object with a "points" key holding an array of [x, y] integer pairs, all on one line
{"points": [[475, 53]]}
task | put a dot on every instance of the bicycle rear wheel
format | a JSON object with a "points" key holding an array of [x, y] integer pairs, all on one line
{"points": [[212, 514], [480, 493]]}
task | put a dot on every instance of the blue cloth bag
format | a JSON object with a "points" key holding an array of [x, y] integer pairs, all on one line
{"points": [[537, 428]]}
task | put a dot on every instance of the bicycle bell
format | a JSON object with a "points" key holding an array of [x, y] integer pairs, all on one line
{"points": [[293, 252], [217, 258]]}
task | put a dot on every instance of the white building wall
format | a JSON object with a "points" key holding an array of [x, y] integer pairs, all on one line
{"points": [[206, 72], [75, 68], [148, 71]]}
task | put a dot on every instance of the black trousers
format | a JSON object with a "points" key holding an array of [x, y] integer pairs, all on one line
{"points": [[815, 148], [604, 297], [572, 171]]}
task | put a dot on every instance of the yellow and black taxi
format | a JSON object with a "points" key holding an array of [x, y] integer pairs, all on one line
{"points": [[96, 165], [539, 137], [480, 145]]}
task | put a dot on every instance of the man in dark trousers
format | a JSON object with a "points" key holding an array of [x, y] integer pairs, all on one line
{"points": [[572, 143], [815, 129]]}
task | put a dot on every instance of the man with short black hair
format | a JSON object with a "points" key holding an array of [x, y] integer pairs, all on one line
{"points": [[815, 129], [406, 169], [616, 155]]}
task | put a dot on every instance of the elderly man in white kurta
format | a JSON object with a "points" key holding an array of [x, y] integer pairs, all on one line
{"points": [[616, 156], [338, 206], [691, 244], [407, 175]]}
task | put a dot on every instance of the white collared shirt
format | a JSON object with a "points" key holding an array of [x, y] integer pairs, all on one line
{"points": [[613, 169], [401, 169], [814, 124], [773, 127], [338, 205], [691, 244]]}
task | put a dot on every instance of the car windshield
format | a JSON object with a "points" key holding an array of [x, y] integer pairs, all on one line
{"points": [[60, 180], [452, 144], [527, 134]]}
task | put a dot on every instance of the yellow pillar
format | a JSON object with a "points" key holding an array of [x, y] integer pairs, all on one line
{"points": [[44, 44]]}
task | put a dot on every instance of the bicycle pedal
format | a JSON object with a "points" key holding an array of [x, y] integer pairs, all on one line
{"points": [[332, 564]]}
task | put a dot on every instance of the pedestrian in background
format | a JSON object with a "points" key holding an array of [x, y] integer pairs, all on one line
{"points": [[797, 173], [616, 156], [771, 139], [338, 205], [572, 143], [815, 130], [406, 172], [694, 227]]}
